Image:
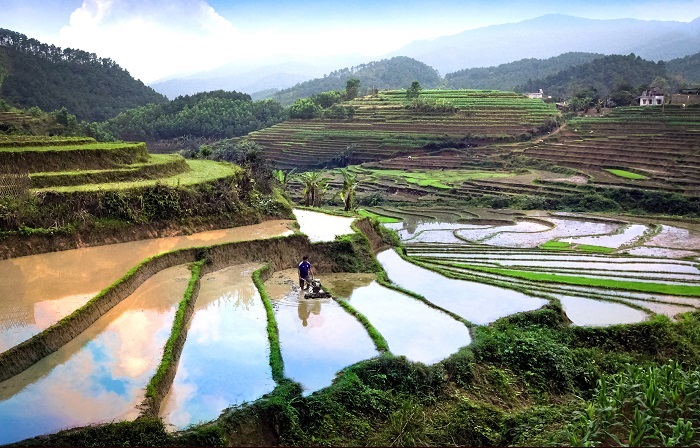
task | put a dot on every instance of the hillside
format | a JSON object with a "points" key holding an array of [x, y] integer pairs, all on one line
{"points": [[94, 89], [508, 76], [394, 73], [387, 124], [215, 114], [688, 68], [552, 35], [600, 76]]}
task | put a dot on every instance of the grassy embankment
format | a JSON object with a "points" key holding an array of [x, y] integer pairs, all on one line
{"points": [[80, 189]]}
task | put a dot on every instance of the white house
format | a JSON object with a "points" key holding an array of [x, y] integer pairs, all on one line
{"points": [[651, 97], [536, 95]]}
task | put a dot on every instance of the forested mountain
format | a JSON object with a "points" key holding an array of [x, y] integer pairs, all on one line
{"points": [[507, 76], [217, 114], [599, 77], [688, 68], [551, 35], [46, 76], [395, 73]]}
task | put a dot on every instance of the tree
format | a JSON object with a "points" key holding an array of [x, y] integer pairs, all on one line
{"points": [[347, 194], [315, 185], [304, 108], [352, 88], [414, 90], [283, 177]]}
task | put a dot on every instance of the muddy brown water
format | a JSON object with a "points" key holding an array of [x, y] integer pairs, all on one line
{"points": [[226, 357], [38, 290], [101, 375]]}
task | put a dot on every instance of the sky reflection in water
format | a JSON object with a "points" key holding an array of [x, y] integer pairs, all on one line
{"points": [[226, 358], [101, 375], [410, 327], [477, 302]]}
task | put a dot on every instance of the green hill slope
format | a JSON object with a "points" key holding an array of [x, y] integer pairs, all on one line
{"points": [[386, 124], [508, 76], [600, 76], [94, 89], [395, 73]]}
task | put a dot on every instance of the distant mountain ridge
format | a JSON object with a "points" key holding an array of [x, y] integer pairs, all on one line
{"points": [[543, 37], [555, 34]]}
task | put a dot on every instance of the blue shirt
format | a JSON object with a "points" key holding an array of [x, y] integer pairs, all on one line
{"points": [[304, 268]]}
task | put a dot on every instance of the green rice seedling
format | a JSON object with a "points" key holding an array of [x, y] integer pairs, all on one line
{"points": [[653, 405]]}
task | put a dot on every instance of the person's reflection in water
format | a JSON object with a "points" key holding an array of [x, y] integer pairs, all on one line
{"points": [[306, 307]]}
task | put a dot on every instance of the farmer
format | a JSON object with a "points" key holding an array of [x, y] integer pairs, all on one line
{"points": [[305, 269]]}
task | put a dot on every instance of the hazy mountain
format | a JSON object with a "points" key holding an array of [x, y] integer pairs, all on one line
{"points": [[252, 79], [555, 34], [395, 73], [247, 82], [507, 76]]}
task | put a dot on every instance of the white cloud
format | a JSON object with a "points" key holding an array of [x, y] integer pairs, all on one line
{"points": [[153, 39]]}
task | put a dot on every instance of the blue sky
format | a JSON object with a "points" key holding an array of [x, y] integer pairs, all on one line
{"points": [[156, 39]]}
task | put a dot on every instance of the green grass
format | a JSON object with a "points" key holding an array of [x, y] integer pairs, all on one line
{"points": [[597, 249], [625, 174], [276, 360], [201, 171], [556, 245], [381, 218], [657, 288], [73, 147], [442, 179], [178, 322]]}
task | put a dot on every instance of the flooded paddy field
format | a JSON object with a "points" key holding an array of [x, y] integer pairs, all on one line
{"points": [[101, 375], [225, 360], [500, 263], [318, 337], [39, 290], [619, 271]]}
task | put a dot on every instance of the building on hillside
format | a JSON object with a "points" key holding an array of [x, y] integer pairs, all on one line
{"points": [[539, 94], [651, 97]]}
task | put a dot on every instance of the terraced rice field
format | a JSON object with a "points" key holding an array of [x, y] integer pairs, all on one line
{"points": [[585, 263], [457, 274], [384, 125], [658, 145]]}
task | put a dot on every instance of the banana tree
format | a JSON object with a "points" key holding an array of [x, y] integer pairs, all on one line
{"points": [[315, 185], [347, 194]]}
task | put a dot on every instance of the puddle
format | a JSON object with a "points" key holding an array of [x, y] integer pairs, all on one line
{"points": [[675, 238], [646, 251], [477, 302], [226, 357], [321, 226], [628, 235], [39, 290], [598, 313], [410, 228], [661, 308], [101, 375], [410, 327], [317, 337]]}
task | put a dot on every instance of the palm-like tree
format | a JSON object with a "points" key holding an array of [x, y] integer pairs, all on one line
{"points": [[283, 177], [315, 185], [347, 194]]}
